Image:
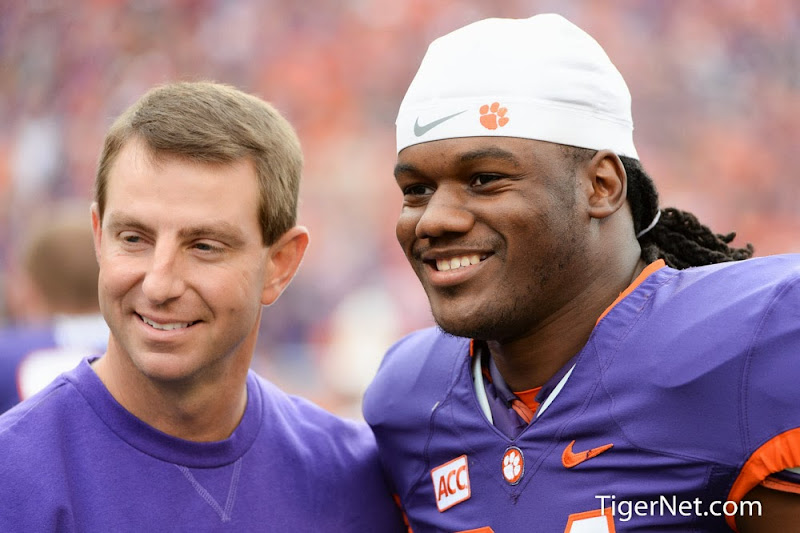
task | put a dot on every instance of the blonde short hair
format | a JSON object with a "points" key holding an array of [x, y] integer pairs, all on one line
{"points": [[214, 123]]}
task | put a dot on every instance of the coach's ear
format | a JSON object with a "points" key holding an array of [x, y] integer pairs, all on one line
{"points": [[607, 184], [97, 229], [284, 257]]}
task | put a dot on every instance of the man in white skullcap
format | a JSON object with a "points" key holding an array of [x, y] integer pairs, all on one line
{"points": [[600, 364]]}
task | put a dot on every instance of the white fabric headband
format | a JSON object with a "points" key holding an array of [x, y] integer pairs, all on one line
{"points": [[538, 78]]}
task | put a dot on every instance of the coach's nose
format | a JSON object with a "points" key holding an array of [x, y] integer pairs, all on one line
{"points": [[163, 280]]}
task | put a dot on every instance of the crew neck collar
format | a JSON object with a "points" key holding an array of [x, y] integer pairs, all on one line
{"points": [[158, 444]]}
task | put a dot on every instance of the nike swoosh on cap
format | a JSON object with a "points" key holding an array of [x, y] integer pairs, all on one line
{"points": [[419, 131]]}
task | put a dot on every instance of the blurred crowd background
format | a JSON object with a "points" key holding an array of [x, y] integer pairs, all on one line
{"points": [[716, 105]]}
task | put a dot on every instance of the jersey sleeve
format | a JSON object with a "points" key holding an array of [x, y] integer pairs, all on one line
{"points": [[785, 481], [771, 397]]}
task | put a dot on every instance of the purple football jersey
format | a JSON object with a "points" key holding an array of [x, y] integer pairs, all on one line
{"points": [[663, 421]]}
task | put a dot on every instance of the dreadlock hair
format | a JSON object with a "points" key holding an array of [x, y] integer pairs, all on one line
{"points": [[678, 237]]}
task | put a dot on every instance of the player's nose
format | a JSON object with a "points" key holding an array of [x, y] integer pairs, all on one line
{"points": [[446, 212]]}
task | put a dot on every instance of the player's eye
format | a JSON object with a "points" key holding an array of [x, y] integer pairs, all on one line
{"points": [[417, 190], [485, 179]]}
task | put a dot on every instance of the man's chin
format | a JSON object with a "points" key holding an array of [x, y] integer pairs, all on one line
{"points": [[460, 328], [482, 326], [167, 369]]}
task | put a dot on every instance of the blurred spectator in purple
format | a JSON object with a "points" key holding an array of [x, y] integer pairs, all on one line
{"points": [[52, 297]]}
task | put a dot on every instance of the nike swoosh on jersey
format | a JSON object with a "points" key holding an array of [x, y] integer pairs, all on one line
{"points": [[419, 131], [570, 459]]}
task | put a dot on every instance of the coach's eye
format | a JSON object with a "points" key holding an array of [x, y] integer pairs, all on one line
{"points": [[207, 247], [130, 238]]}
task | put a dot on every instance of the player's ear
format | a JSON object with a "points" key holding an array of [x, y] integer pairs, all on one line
{"points": [[283, 260], [97, 229], [607, 184]]}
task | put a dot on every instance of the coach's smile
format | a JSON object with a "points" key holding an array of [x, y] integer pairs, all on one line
{"points": [[165, 325]]}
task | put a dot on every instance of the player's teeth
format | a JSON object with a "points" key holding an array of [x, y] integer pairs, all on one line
{"points": [[457, 262], [165, 327]]}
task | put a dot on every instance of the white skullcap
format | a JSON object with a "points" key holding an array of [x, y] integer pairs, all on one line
{"points": [[538, 78]]}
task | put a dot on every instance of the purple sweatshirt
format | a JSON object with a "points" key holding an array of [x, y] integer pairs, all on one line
{"points": [[73, 459]]}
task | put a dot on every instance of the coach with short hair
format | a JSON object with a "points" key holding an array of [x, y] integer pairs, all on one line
{"points": [[169, 430]]}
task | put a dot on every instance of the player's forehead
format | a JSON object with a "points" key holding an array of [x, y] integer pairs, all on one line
{"points": [[461, 151]]}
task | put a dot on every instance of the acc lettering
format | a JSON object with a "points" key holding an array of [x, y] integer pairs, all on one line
{"points": [[451, 483], [442, 490], [457, 475]]}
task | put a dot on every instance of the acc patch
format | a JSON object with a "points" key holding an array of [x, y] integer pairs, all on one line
{"points": [[451, 483]]}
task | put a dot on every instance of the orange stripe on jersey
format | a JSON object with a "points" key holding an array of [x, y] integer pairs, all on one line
{"points": [[778, 453], [778, 484], [643, 275], [403, 511], [485, 529]]}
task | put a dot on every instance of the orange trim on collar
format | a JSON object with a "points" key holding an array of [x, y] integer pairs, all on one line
{"points": [[643, 275], [528, 397]]}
